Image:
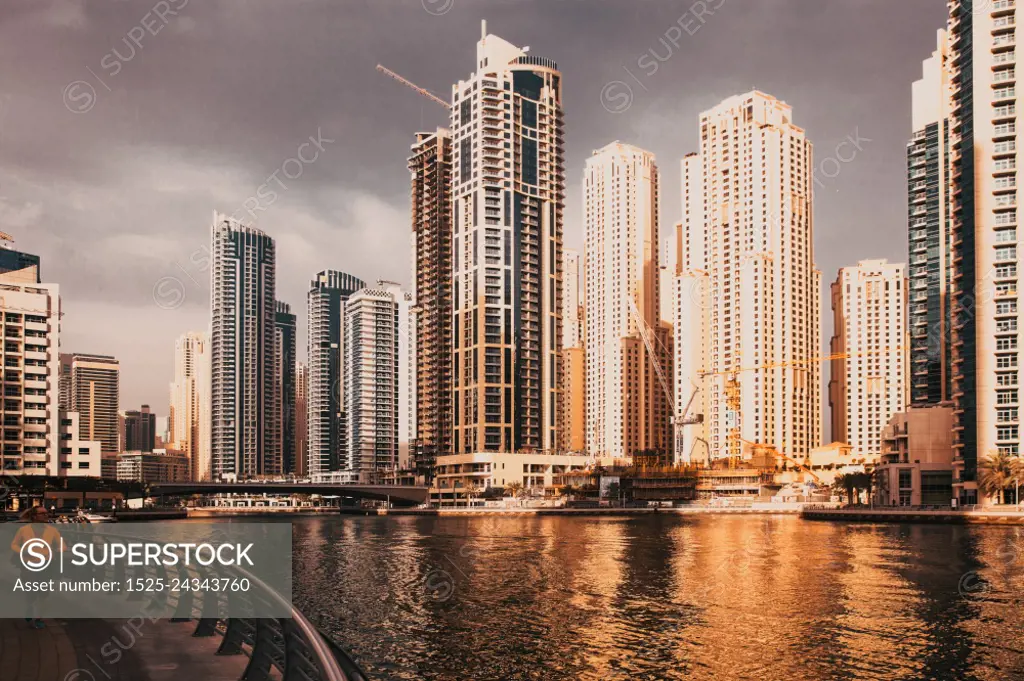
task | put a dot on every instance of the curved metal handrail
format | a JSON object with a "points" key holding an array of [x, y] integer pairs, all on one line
{"points": [[293, 646]]}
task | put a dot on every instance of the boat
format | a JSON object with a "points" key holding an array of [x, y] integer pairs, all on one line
{"points": [[92, 518]]}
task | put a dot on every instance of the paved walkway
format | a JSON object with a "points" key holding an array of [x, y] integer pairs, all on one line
{"points": [[112, 650]]}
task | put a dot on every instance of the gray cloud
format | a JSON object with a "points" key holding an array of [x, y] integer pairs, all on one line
{"points": [[201, 113]]}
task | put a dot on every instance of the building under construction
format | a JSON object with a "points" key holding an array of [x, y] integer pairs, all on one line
{"points": [[431, 168]]}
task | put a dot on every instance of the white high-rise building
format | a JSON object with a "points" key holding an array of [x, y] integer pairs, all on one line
{"points": [[747, 249], [244, 439], [870, 384], [985, 235], [30, 326], [507, 201], [627, 408], [572, 400], [191, 360], [379, 393]]}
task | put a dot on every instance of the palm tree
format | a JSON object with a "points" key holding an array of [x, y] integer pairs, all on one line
{"points": [[847, 482], [1018, 477], [514, 488], [996, 472]]}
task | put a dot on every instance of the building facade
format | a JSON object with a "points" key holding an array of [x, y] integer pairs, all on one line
{"points": [[244, 439], [284, 378], [189, 413], [573, 406], [326, 423], [916, 466], [983, 121], [870, 382], [747, 246], [152, 467], [508, 197], [930, 243], [627, 403], [301, 419], [378, 378], [430, 165], [139, 430], [30, 325], [93, 390], [78, 458]]}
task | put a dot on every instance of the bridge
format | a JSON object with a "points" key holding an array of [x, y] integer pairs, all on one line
{"points": [[399, 495]]}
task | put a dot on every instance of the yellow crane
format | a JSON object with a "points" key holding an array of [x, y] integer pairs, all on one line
{"points": [[408, 83]]}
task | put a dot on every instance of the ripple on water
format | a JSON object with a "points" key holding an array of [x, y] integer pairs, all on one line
{"points": [[664, 598]]}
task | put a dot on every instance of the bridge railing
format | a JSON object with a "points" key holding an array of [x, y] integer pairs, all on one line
{"points": [[279, 648]]}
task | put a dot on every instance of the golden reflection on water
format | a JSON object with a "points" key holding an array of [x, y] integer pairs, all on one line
{"points": [[665, 597]]}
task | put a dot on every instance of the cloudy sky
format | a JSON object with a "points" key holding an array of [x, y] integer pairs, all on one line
{"points": [[125, 123]]}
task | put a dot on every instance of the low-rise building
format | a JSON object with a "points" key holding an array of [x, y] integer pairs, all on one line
{"points": [[916, 467], [457, 474], [151, 467]]}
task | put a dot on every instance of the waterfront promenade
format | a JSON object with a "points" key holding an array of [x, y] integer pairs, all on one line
{"points": [[114, 650]]}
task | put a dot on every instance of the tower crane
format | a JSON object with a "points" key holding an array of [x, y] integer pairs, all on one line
{"points": [[408, 83]]}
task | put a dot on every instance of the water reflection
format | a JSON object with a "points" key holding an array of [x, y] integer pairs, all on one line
{"points": [[665, 597]]}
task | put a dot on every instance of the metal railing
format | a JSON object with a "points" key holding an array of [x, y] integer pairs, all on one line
{"points": [[282, 648]]}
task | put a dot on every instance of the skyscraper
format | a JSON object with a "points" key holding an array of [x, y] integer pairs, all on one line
{"points": [[189, 412], [748, 250], [301, 419], [378, 401], [508, 197], [869, 385], [327, 444], [572, 403], [627, 406], [139, 430], [431, 168], [94, 387], [983, 173], [244, 440], [284, 394], [928, 170]]}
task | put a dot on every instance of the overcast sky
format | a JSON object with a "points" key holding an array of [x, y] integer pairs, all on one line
{"points": [[112, 162]]}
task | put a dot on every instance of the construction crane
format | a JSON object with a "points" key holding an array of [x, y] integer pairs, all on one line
{"points": [[6, 238], [677, 421], [408, 83]]}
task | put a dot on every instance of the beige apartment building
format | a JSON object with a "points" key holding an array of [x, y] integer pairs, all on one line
{"points": [[627, 403], [748, 300], [93, 390], [190, 409], [869, 384]]}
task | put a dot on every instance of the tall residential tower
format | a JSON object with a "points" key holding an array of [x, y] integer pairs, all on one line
{"points": [[431, 168], [748, 246], [508, 197], [627, 404], [869, 385], [244, 440], [327, 442]]}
